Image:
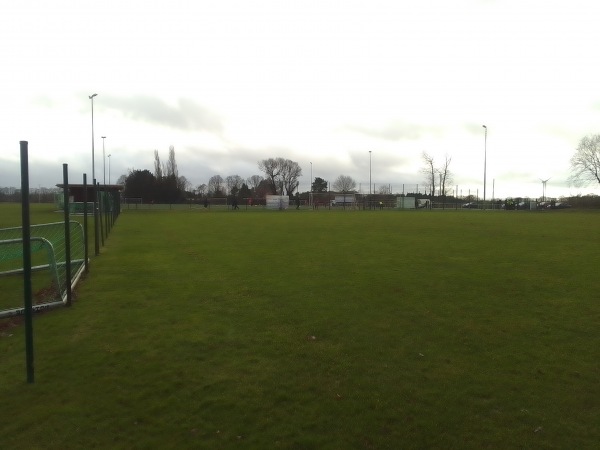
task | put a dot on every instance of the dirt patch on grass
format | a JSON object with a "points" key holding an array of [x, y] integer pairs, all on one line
{"points": [[6, 325], [45, 295]]}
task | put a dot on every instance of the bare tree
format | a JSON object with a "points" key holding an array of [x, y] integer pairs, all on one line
{"points": [[435, 175], [202, 189], [254, 181], [445, 175], [215, 185], [158, 169], [169, 186], [234, 183], [290, 172], [430, 172], [385, 189], [184, 184], [271, 168], [585, 163], [344, 184], [171, 168], [281, 173]]}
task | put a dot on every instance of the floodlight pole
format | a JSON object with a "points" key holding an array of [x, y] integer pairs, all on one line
{"points": [[95, 190], [109, 168], [484, 164]]}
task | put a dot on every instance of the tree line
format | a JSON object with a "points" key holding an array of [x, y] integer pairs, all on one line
{"points": [[281, 176], [165, 185]]}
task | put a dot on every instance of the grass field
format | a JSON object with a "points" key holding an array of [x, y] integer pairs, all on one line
{"points": [[319, 330]]}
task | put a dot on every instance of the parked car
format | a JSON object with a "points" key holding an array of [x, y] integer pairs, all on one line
{"points": [[470, 205]]}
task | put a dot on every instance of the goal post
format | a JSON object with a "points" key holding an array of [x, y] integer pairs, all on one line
{"points": [[50, 277]]}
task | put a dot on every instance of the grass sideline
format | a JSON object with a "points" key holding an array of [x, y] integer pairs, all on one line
{"points": [[320, 329]]}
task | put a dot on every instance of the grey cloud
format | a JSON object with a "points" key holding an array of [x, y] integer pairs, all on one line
{"points": [[203, 162], [186, 115], [41, 173], [392, 132]]}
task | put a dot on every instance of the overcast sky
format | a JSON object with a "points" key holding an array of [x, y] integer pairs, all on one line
{"points": [[230, 82]]}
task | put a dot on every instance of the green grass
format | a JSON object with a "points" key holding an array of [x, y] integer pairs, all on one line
{"points": [[10, 214], [318, 329]]}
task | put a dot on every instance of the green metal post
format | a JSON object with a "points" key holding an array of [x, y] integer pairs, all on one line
{"points": [[85, 224], [67, 234], [96, 222], [101, 213], [27, 261]]}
